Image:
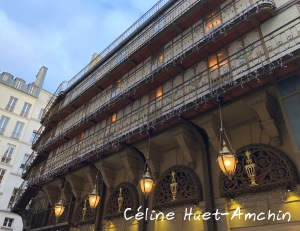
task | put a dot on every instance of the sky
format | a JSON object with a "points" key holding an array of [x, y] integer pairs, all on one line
{"points": [[61, 35]]}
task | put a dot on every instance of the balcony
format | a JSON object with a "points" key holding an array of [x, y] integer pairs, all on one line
{"points": [[283, 46], [196, 38], [183, 15]]}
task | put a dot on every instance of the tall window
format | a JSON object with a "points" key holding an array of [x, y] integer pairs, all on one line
{"points": [[218, 64], [11, 104], [8, 222], [212, 22], [6, 158], [26, 109], [17, 130], [121, 56], [41, 113], [2, 172], [159, 25], [12, 198], [116, 88], [25, 158], [3, 123], [114, 118], [32, 90], [18, 84], [157, 61], [33, 136]]}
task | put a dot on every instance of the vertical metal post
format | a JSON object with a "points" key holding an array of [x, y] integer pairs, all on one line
{"points": [[100, 210]]}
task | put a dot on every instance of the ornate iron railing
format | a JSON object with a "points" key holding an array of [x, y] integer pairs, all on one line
{"points": [[101, 102], [180, 8], [192, 93], [46, 218]]}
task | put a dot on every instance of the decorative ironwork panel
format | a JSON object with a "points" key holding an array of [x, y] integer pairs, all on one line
{"points": [[130, 200], [188, 190], [84, 213], [85, 227], [273, 169]]}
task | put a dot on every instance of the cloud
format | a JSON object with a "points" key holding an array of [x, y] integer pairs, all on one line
{"points": [[61, 35]]}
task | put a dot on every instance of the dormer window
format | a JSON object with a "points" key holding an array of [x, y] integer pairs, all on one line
{"points": [[32, 90], [18, 84]]}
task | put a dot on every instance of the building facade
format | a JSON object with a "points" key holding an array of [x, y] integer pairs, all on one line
{"points": [[153, 100], [21, 108]]}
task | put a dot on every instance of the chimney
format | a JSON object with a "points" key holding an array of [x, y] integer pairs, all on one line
{"points": [[41, 77], [95, 59]]}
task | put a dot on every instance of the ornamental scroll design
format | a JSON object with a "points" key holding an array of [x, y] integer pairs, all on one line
{"points": [[130, 200], [273, 169], [189, 189], [86, 217]]}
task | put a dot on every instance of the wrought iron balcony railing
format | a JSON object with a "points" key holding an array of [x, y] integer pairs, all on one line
{"points": [[281, 45], [66, 84], [135, 79], [181, 7]]}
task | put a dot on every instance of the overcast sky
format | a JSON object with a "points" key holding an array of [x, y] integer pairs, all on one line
{"points": [[61, 35]]}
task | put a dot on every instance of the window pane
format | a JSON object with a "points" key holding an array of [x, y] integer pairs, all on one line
{"points": [[2, 172], [3, 123], [26, 109], [17, 130], [11, 104], [6, 158]]}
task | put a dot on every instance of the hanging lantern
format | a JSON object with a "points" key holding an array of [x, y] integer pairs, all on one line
{"points": [[94, 198], [227, 161], [146, 183], [59, 209]]}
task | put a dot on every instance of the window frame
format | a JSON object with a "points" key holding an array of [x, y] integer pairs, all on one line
{"points": [[7, 156], [3, 123], [2, 174], [26, 109], [11, 104], [8, 222], [16, 134]]}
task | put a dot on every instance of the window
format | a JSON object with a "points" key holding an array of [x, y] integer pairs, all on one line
{"points": [[18, 84], [2, 172], [158, 61], [5, 77], [17, 130], [11, 104], [33, 136], [8, 222], [159, 25], [218, 64], [155, 99], [6, 158], [12, 198], [3, 123], [121, 56], [114, 118], [212, 22], [116, 88], [25, 158], [32, 90], [26, 109], [41, 113]]}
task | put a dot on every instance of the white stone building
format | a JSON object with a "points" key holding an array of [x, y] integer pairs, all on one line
{"points": [[21, 108]]}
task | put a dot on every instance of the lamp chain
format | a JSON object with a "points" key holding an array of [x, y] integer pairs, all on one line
{"points": [[222, 130]]}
